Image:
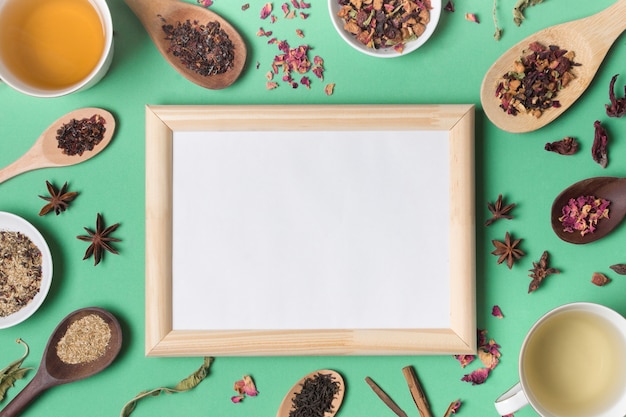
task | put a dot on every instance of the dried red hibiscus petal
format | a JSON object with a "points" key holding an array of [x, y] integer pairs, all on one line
{"points": [[566, 146], [599, 149], [617, 108]]}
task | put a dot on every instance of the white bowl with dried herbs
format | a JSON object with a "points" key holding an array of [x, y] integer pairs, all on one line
{"points": [[385, 28], [25, 269]]}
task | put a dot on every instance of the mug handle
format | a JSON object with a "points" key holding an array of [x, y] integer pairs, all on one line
{"points": [[511, 401]]}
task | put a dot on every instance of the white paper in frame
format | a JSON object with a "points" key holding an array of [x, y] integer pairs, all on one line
{"points": [[310, 230]]}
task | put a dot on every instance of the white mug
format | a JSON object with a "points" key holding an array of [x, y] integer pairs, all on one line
{"points": [[572, 364], [34, 61]]}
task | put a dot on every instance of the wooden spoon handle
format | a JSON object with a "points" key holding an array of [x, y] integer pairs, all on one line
{"points": [[608, 25], [26, 396], [29, 161]]}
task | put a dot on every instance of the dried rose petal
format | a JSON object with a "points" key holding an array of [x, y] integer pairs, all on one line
{"points": [[304, 16], [300, 33], [600, 279], [329, 89], [472, 17], [477, 377], [244, 386], [266, 10], [582, 214], [599, 149], [465, 360], [617, 108], [270, 85], [449, 6], [304, 5], [285, 8], [497, 312], [566, 146], [306, 81], [206, 3]]}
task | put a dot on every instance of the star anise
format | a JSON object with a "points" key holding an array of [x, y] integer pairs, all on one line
{"points": [[507, 250], [499, 211], [540, 271], [100, 240], [58, 200]]}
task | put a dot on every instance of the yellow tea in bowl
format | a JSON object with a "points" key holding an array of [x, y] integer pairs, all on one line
{"points": [[51, 44]]}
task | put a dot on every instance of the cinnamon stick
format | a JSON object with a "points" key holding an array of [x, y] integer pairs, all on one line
{"points": [[386, 398], [416, 391]]}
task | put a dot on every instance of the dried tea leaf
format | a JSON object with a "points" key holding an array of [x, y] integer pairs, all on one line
{"points": [[619, 268], [13, 371], [600, 279], [520, 6], [185, 385]]}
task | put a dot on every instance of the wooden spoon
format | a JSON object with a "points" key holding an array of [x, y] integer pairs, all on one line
{"points": [[286, 405], [609, 188], [589, 38], [45, 152], [53, 371], [153, 14]]}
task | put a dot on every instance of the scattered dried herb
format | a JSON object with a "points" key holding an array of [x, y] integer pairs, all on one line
{"points": [[499, 210], [206, 3], [489, 354], [316, 396], [599, 149], [537, 77], [266, 10], [245, 386], [329, 89], [84, 341], [496, 311], [58, 200], [540, 271], [245, 7], [472, 17], [465, 360], [617, 108], [204, 49], [566, 146], [520, 6], [293, 61], [13, 371], [583, 213], [185, 385], [508, 250], [381, 24], [449, 7], [20, 271], [78, 136], [599, 279], [619, 268], [100, 240]]}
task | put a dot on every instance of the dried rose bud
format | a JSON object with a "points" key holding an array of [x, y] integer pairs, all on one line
{"points": [[600, 279], [266, 10]]}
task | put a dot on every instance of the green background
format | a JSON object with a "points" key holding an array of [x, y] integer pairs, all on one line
{"points": [[448, 69]]}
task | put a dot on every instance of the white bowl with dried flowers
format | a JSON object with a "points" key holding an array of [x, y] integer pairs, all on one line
{"points": [[25, 269], [385, 28]]}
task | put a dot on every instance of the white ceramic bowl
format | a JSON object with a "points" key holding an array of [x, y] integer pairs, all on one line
{"points": [[435, 13], [12, 223]]}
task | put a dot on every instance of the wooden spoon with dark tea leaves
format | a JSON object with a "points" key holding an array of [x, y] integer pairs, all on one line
{"points": [[608, 188], [153, 14], [45, 152], [589, 38], [287, 404], [53, 371]]}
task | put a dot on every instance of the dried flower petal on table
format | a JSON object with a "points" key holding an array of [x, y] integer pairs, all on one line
{"points": [[599, 149], [186, 384], [599, 279], [13, 371], [100, 240], [520, 6], [499, 210], [566, 146], [617, 108], [266, 10], [245, 7], [508, 250], [329, 89], [583, 213], [476, 377], [489, 354], [465, 360], [472, 17], [619, 268], [58, 200], [243, 387], [206, 3], [449, 7], [496, 311], [540, 271], [453, 408]]}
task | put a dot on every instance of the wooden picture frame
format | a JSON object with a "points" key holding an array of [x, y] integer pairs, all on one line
{"points": [[456, 125]]}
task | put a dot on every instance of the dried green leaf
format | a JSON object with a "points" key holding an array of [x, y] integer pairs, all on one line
{"points": [[185, 385], [13, 371], [520, 6], [619, 268]]}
